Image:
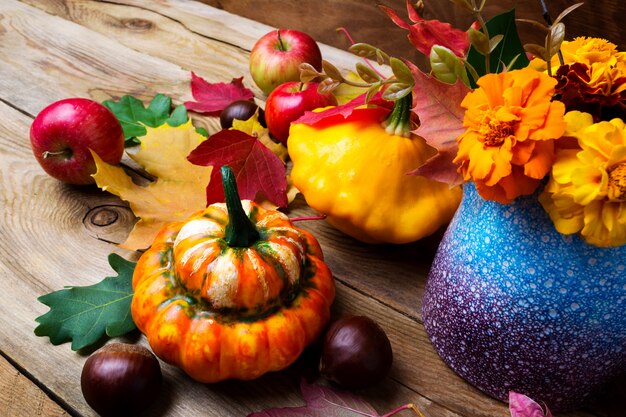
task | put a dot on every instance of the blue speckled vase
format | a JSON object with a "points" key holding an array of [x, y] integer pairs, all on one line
{"points": [[511, 304]]}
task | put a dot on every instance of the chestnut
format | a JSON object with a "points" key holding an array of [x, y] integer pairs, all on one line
{"points": [[240, 110], [121, 379], [356, 353]]}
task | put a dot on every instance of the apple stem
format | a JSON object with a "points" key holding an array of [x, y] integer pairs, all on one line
{"points": [[66, 153], [281, 46]]}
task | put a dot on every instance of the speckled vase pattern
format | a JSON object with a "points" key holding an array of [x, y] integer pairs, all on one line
{"points": [[511, 304]]}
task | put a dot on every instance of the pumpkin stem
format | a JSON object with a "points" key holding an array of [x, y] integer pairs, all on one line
{"points": [[240, 231], [398, 122]]}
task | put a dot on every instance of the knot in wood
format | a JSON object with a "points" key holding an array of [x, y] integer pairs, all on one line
{"points": [[102, 216], [136, 24]]}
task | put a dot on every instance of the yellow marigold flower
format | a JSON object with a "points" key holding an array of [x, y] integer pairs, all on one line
{"points": [[586, 193], [511, 124], [584, 50]]}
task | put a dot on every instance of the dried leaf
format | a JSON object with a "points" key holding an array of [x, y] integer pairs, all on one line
{"points": [[212, 98], [522, 406], [84, 314], [257, 169], [424, 34], [178, 190], [441, 121], [323, 401]]}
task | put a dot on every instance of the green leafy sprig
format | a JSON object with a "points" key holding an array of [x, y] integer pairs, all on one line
{"points": [[397, 86]]}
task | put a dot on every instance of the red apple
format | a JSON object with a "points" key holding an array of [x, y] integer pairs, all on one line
{"points": [[62, 134], [276, 58], [288, 102]]}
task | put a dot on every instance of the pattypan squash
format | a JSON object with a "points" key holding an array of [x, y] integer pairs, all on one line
{"points": [[354, 170]]}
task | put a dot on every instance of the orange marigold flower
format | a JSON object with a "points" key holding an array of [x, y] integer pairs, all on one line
{"points": [[511, 124], [586, 193]]}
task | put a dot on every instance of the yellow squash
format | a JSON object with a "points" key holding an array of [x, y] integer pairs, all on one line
{"points": [[355, 172]]}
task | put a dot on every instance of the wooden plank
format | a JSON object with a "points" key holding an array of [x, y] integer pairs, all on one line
{"points": [[21, 397], [42, 214]]}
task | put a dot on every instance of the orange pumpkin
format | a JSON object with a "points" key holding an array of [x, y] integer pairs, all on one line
{"points": [[233, 292]]}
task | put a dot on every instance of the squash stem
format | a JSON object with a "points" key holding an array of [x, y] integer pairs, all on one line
{"points": [[240, 231], [398, 122]]}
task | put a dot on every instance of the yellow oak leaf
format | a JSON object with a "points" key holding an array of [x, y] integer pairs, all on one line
{"points": [[177, 192]]}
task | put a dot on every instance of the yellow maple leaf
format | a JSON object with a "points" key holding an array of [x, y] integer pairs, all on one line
{"points": [[178, 191]]}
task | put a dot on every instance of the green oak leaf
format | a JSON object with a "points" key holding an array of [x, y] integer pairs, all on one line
{"points": [[508, 51], [134, 116], [84, 314]]}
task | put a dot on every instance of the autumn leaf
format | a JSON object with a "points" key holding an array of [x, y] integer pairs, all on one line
{"points": [[257, 169], [254, 128], [345, 110], [522, 406], [178, 190], [437, 106], [424, 34], [84, 314], [322, 401], [212, 98]]}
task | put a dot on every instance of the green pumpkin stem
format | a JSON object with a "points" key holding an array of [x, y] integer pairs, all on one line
{"points": [[240, 231], [399, 120]]}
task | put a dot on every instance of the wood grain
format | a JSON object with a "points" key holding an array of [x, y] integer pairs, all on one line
{"points": [[52, 235], [366, 23], [20, 397]]}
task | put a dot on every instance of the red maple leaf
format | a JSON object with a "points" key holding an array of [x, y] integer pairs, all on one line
{"points": [[256, 168], [438, 108], [212, 98], [424, 34], [345, 110]]}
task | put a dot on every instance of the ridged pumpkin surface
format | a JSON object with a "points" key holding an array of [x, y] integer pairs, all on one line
{"points": [[222, 312]]}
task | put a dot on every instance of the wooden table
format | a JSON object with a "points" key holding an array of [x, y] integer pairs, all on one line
{"points": [[53, 235]]}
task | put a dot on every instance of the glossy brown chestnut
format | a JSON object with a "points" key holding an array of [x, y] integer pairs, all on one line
{"points": [[356, 352], [240, 110], [121, 379]]}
